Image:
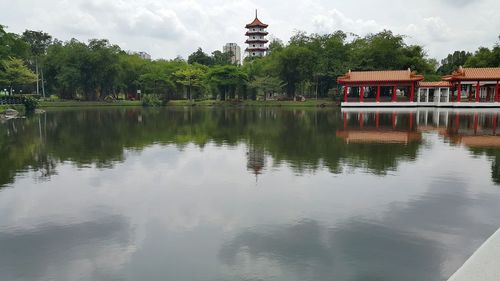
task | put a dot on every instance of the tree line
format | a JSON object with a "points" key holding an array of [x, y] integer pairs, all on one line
{"points": [[308, 65]]}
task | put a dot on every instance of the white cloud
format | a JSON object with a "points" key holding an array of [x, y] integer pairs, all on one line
{"points": [[335, 20], [166, 28]]}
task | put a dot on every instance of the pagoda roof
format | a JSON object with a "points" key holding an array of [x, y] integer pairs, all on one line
{"points": [[380, 76], [256, 22], [474, 74]]}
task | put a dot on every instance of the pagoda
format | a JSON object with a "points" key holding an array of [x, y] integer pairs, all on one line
{"points": [[256, 33]]}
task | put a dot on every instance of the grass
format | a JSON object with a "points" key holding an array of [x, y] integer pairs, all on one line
{"points": [[307, 103], [269, 103], [4, 107], [74, 103]]}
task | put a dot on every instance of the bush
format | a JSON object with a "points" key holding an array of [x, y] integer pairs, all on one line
{"points": [[30, 103], [151, 100]]}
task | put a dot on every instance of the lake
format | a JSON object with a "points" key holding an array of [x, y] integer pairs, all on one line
{"points": [[246, 194]]}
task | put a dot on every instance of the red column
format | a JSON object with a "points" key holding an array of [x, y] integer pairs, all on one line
{"points": [[496, 92], [361, 94], [361, 120], [412, 91], [378, 93], [394, 90], [459, 94], [344, 118], [345, 93], [478, 89]]}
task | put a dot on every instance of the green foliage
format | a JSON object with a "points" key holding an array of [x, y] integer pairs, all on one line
{"points": [[484, 57], [151, 100], [13, 72], [30, 103], [267, 85], [192, 77], [453, 61]]}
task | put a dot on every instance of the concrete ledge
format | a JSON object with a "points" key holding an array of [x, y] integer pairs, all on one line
{"points": [[422, 104], [484, 264]]}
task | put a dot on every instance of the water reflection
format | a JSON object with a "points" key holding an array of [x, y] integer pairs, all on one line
{"points": [[349, 195]]}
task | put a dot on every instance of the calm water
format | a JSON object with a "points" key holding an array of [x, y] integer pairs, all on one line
{"points": [[246, 194]]}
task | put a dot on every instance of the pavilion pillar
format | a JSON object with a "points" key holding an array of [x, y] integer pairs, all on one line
{"points": [[346, 92], [470, 93], [496, 91], [394, 91], [459, 91], [361, 94], [448, 95], [412, 91], [478, 90], [378, 93]]}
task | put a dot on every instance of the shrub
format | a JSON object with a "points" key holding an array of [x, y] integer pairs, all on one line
{"points": [[151, 100], [30, 103]]}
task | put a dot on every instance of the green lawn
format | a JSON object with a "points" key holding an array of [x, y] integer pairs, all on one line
{"points": [[308, 103], [74, 103]]}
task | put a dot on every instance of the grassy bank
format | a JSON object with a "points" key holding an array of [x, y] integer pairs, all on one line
{"points": [[308, 103], [74, 103], [271, 103], [19, 108]]}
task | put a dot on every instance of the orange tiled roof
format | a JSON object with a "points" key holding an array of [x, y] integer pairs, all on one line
{"points": [[465, 73], [256, 23], [436, 84], [380, 76]]}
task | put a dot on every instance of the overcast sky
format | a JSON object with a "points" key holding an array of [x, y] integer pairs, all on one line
{"points": [[167, 28]]}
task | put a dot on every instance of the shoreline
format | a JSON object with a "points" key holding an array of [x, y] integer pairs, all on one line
{"points": [[203, 103]]}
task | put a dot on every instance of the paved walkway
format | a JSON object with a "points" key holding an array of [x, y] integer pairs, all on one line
{"points": [[484, 264]]}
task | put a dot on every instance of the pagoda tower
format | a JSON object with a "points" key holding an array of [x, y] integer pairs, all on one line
{"points": [[256, 33]]}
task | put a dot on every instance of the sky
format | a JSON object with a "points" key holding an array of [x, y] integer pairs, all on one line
{"points": [[167, 28]]}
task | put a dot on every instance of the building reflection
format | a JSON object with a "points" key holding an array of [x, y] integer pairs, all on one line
{"points": [[256, 160], [378, 127], [474, 129]]}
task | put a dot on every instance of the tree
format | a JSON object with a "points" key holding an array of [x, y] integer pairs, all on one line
{"points": [[267, 85], [200, 57], [39, 42], [220, 58], [226, 79], [14, 72], [453, 61], [11, 45], [295, 64], [190, 76]]}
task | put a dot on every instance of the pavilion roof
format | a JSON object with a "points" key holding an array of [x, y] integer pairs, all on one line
{"points": [[466, 73], [436, 84], [256, 23], [380, 76]]}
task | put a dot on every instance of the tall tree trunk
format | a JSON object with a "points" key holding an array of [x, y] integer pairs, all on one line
{"points": [[43, 84], [37, 79]]}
